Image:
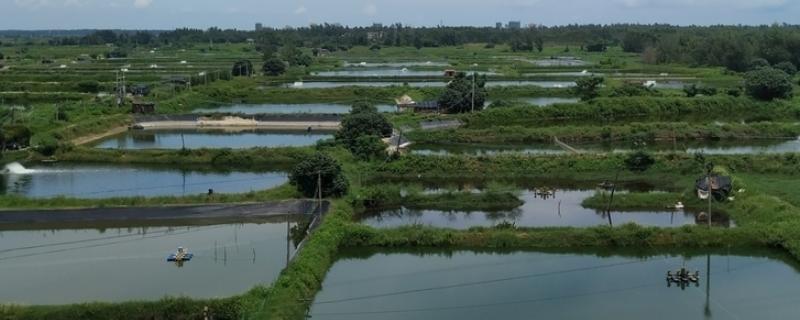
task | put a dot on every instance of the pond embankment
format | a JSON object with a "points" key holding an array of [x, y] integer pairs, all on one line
{"points": [[276, 122]]}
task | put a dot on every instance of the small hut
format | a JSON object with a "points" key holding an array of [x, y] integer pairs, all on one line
{"points": [[450, 73], [405, 103], [141, 107]]}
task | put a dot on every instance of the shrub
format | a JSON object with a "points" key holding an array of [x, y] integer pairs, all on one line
{"points": [[242, 68], [587, 88], [368, 148], [768, 84], [639, 161], [274, 67]]}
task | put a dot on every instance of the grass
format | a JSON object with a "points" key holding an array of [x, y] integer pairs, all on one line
{"points": [[16, 202]]}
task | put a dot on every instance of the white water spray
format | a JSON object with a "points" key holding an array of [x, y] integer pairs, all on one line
{"points": [[17, 168]]}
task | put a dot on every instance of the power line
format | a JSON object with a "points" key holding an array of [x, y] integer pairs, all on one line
{"points": [[501, 303], [482, 282]]}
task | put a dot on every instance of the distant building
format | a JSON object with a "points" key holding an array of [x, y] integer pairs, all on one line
{"points": [[514, 25], [259, 26], [498, 25], [141, 107], [377, 25]]}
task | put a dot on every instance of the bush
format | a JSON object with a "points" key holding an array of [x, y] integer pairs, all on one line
{"points": [[768, 84], [787, 67], [89, 86], [639, 161], [320, 166], [587, 88], [629, 89], [274, 67], [458, 96], [759, 63], [692, 90]]}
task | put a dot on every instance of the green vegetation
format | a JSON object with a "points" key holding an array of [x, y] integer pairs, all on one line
{"points": [[464, 94], [768, 84], [587, 88], [319, 174]]}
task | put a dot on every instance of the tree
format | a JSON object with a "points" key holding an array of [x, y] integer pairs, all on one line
{"points": [[2, 56], [274, 67], [242, 68], [768, 84], [16, 136], [588, 87], [639, 161], [362, 123], [628, 89], [295, 57], [458, 96], [758, 63], [89, 86], [692, 90], [363, 107], [787, 67], [368, 148], [539, 44], [636, 42], [319, 167], [596, 47]]}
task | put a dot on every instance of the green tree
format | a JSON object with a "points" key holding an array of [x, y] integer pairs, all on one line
{"points": [[362, 123], [587, 88], [2, 56], [458, 96], [242, 68], [319, 167], [539, 44], [274, 67], [636, 42], [368, 148], [759, 63], [768, 84], [787, 67], [89, 86], [639, 161], [363, 107]]}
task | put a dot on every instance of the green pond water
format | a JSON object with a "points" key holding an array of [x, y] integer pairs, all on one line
{"points": [[210, 138], [468, 285], [122, 264], [107, 181]]}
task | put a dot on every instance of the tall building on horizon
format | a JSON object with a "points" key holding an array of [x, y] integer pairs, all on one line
{"points": [[259, 26], [514, 25]]}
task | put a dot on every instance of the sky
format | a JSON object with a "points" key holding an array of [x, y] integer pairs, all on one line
{"points": [[243, 14]]}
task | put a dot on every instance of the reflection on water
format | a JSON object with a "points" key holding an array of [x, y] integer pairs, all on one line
{"points": [[561, 208], [309, 108], [381, 73], [106, 181], [71, 266], [396, 64], [423, 84], [547, 101], [469, 285], [195, 139]]}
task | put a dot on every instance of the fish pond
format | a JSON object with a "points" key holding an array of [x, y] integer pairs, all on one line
{"points": [[423, 84], [766, 146], [543, 207], [211, 138], [107, 181], [468, 285], [61, 266], [273, 108]]}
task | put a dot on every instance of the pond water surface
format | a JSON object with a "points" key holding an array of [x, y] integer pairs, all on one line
{"points": [[210, 138], [525, 285], [273, 108], [106, 181], [705, 147], [423, 84], [83, 265], [561, 209]]}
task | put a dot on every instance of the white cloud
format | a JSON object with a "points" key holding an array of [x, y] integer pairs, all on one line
{"points": [[142, 3], [371, 9], [300, 10]]}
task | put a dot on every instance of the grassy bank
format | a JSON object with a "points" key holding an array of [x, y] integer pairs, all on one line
{"points": [[610, 110], [393, 196], [16, 202], [241, 159], [645, 131]]}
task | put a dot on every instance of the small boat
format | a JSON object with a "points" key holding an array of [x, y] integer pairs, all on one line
{"points": [[679, 206], [181, 255]]}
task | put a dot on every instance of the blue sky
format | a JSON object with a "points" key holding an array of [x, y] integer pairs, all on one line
{"points": [[242, 14]]}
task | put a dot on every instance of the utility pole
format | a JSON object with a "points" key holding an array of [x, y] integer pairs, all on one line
{"points": [[473, 91]]}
